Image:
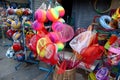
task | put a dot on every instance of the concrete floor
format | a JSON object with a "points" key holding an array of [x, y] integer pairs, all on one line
{"points": [[26, 71]]}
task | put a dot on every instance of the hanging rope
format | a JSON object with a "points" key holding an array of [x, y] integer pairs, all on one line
{"points": [[104, 11]]}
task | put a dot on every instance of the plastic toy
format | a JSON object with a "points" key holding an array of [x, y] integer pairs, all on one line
{"points": [[104, 21], [28, 23], [102, 73], [113, 59], [37, 25], [40, 15], [93, 52], [52, 14], [115, 47], [61, 20], [116, 15], [53, 37], [61, 10], [112, 39], [59, 46], [91, 76], [56, 25]]}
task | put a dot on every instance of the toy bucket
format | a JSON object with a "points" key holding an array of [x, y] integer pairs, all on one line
{"points": [[67, 75]]}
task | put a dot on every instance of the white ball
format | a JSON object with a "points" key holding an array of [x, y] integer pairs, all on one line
{"points": [[10, 53]]}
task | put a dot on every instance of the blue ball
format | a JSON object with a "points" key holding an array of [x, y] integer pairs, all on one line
{"points": [[20, 57]]}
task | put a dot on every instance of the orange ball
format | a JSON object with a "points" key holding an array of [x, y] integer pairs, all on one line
{"points": [[52, 14]]}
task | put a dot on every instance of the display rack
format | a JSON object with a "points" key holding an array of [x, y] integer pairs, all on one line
{"points": [[27, 60], [24, 18]]}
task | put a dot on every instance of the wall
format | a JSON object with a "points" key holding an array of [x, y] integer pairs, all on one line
{"points": [[18, 1], [83, 11], [37, 3]]}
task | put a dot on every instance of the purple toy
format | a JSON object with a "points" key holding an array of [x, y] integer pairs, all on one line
{"points": [[102, 73]]}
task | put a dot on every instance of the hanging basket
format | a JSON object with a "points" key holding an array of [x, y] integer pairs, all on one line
{"points": [[67, 75]]}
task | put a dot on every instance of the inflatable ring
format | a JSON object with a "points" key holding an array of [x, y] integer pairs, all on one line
{"points": [[103, 23]]}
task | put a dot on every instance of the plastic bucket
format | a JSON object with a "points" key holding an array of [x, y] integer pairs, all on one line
{"points": [[67, 75]]}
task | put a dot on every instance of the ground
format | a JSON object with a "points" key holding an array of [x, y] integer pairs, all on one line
{"points": [[25, 71]]}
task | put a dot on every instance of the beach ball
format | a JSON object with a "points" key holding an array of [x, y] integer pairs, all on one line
{"points": [[52, 14], [61, 10], [19, 12], [20, 57], [37, 25], [16, 24], [40, 15]]}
